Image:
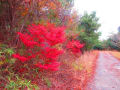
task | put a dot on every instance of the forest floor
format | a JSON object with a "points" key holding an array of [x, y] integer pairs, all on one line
{"points": [[107, 73]]}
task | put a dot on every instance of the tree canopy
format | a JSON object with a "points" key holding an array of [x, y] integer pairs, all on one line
{"points": [[88, 26]]}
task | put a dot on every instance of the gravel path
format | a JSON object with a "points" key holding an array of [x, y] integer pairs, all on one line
{"points": [[106, 76]]}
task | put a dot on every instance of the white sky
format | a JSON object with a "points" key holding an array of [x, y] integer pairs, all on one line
{"points": [[107, 10]]}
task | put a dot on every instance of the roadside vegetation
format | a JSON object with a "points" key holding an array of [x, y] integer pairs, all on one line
{"points": [[45, 45], [116, 54]]}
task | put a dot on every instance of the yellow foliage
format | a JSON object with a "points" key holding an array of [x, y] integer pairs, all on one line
{"points": [[86, 61], [42, 3], [52, 5], [25, 12], [116, 54], [1, 62]]}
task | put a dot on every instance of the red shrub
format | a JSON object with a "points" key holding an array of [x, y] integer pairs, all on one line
{"points": [[21, 58], [40, 41], [75, 46]]}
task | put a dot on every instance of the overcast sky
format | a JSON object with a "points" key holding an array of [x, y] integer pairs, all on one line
{"points": [[107, 10]]}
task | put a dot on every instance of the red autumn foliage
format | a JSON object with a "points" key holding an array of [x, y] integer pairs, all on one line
{"points": [[40, 41], [21, 58], [53, 66], [75, 46], [22, 70]]}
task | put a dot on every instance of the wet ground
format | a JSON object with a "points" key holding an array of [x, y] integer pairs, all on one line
{"points": [[107, 75]]}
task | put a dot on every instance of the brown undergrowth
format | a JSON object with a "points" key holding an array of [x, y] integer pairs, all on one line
{"points": [[116, 54], [75, 72]]}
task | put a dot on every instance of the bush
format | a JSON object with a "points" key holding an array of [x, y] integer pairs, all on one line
{"points": [[8, 78], [40, 46], [75, 46]]}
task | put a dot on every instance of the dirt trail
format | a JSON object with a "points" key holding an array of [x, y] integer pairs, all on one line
{"points": [[107, 75]]}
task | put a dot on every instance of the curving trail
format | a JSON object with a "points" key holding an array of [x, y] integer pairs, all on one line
{"points": [[107, 75]]}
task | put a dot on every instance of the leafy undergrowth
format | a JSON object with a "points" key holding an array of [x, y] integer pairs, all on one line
{"points": [[35, 62], [75, 72], [115, 54]]}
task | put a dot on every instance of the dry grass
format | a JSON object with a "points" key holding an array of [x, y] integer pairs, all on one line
{"points": [[115, 54], [87, 65], [75, 72], [86, 61]]}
